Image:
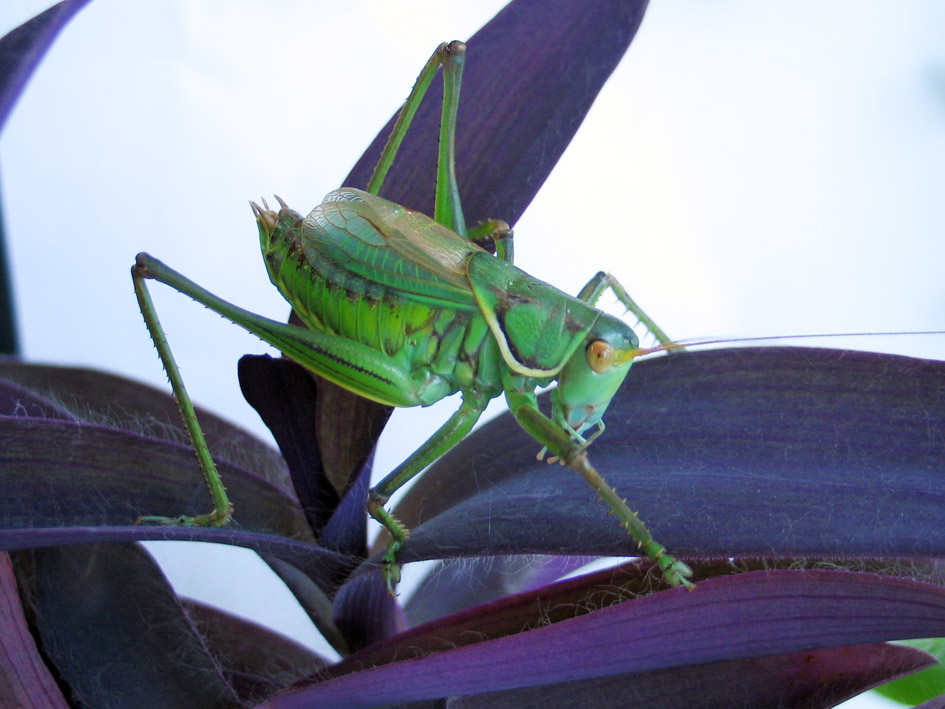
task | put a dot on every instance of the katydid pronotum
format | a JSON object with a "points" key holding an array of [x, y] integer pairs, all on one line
{"points": [[406, 310]]}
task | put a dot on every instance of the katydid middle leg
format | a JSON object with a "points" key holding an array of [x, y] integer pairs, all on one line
{"points": [[448, 435]]}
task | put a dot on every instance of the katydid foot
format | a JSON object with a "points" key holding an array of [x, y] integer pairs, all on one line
{"points": [[390, 569], [217, 518]]}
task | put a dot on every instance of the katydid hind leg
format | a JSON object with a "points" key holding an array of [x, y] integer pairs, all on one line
{"points": [[572, 454], [601, 281], [350, 364], [447, 209], [447, 436], [353, 365], [223, 509], [404, 119]]}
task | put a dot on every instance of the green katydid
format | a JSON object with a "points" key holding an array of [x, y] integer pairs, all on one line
{"points": [[406, 310]]}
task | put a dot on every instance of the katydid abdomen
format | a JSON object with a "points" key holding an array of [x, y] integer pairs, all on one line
{"points": [[431, 331]]}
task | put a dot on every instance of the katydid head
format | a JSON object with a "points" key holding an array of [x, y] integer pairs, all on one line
{"points": [[593, 374]]}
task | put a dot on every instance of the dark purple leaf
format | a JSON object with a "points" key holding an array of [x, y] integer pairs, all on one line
{"points": [[790, 451], [115, 476], [569, 599], [25, 681], [461, 583], [114, 630], [66, 482], [291, 402], [284, 395], [347, 529], [813, 679], [22, 49], [16, 400], [297, 408], [255, 661], [730, 618], [314, 562], [937, 703], [100, 398], [57, 473], [531, 75], [365, 612]]}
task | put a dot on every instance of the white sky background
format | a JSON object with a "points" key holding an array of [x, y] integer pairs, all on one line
{"points": [[750, 169]]}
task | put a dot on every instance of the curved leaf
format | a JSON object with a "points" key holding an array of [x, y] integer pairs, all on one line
{"points": [[56, 473], [297, 407], [723, 619], [22, 49], [524, 95], [97, 397], [813, 679], [760, 451], [255, 660], [25, 680], [114, 630]]}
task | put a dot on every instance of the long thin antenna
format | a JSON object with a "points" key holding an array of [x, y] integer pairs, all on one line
{"points": [[683, 344]]}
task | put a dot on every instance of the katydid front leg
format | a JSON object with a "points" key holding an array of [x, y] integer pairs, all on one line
{"points": [[572, 454], [595, 287]]}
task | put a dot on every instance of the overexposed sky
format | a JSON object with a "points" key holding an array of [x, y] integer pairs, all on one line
{"points": [[750, 169]]}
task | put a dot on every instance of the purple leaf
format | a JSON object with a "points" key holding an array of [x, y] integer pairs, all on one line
{"points": [[314, 562], [365, 612], [57, 473], [114, 630], [293, 402], [324, 464], [255, 660], [16, 400], [789, 451], [22, 49], [284, 396], [101, 398], [448, 589], [25, 681], [813, 679], [723, 619], [524, 95]]}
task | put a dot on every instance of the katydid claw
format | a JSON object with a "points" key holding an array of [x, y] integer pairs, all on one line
{"points": [[390, 567], [212, 519], [676, 573]]}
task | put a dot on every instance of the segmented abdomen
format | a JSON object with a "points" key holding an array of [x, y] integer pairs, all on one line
{"points": [[442, 347]]}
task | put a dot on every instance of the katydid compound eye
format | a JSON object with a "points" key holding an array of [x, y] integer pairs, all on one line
{"points": [[600, 355]]}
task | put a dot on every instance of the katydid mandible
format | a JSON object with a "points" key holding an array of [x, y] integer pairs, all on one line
{"points": [[406, 310]]}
